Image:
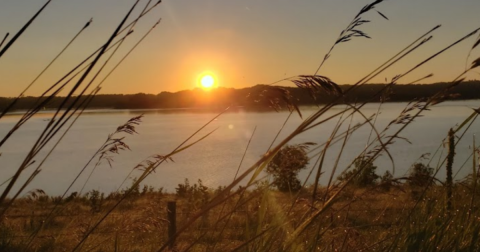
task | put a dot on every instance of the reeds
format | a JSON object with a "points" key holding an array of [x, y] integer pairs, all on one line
{"points": [[450, 157]]}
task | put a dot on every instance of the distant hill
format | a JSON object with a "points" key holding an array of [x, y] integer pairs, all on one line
{"points": [[258, 96]]}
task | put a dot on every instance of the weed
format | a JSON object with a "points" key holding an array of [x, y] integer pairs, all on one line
{"points": [[363, 175], [96, 200], [420, 175]]}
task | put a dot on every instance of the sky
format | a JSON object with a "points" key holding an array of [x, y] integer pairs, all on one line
{"points": [[241, 43]]}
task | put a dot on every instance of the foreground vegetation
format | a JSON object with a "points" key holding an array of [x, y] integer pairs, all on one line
{"points": [[387, 216], [358, 211]]}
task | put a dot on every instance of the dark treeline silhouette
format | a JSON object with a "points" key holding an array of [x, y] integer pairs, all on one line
{"points": [[256, 97]]}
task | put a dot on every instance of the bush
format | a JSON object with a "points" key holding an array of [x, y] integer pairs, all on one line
{"points": [[420, 175], [386, 181], [285, 166], [147, 190], [363, 175], [196, 191], [96, 200]]}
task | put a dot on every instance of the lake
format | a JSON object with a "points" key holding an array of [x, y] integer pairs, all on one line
{"points": [[216, 159]]}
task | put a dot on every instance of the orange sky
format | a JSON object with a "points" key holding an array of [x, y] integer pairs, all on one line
{"points": [[243, 43]]}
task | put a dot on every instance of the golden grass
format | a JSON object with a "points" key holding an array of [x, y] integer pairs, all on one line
{"points": [[358, 220]]}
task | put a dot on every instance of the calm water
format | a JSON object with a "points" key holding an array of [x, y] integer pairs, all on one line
{"points": [[216, 159]]}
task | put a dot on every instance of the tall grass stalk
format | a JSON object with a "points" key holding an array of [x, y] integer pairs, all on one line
{"points": [[450, 157], [224, 205], [258, 166], [42, 102], [9, 107], [22, 30], [147, 170], [4, 39], [51, 126]]}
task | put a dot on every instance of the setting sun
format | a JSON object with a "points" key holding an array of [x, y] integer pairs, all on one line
{"points": [[207, 81]]}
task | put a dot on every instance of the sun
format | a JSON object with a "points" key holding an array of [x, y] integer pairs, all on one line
{"points": [[207, 81]]}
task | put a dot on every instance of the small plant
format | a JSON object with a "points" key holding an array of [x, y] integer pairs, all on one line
{"points": [[195, 191], [147, 190], [285, 166], [183, 189], [132, 191], [386, 181], [37, 194], [56, 199], [363, 175], [72, 196], [420, 175], [161, 190], [96, 200]]}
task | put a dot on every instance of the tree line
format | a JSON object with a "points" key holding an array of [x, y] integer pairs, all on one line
{"points": [[256, 97]]}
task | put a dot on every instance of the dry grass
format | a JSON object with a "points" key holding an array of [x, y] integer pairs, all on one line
{"points": [[361, 219]]}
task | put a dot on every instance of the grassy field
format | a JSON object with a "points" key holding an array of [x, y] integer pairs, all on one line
{"points": [[398, 217]]}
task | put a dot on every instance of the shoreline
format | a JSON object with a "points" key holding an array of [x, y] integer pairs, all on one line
{"points": [[233, 109]]}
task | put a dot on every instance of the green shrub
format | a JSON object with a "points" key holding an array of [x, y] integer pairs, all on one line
{"points": [[363, 174], [183, 189], [386, 181], [147, 190], [285, 166], [95, 199], [196, 191], [420, 175]]}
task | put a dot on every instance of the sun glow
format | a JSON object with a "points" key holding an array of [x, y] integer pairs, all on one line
{"points": [[207, 81]]}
